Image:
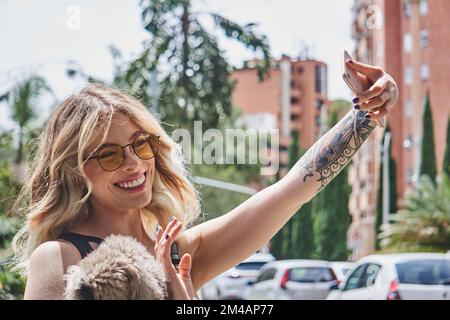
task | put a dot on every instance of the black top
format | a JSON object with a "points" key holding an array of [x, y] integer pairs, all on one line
{"points": [[81, 242]]}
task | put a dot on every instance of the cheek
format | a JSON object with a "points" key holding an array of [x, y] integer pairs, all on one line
{"points": [[97, 176]]}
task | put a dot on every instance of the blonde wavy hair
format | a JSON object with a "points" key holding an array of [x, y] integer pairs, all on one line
{"points": [[56, 192]]}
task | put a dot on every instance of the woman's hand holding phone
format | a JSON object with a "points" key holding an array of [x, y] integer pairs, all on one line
{"points": [[375, 91]]}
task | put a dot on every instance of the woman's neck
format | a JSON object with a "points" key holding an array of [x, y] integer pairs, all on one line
{"points": [[102, 222]]}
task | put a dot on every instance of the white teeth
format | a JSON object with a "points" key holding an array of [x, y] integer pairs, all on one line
{"points": [[132, 184]]}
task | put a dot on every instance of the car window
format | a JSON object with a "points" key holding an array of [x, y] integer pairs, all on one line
{"points": [[268, 274], [426, 272], [311, 274], [250, 265], [354, 278], [369, 276]]}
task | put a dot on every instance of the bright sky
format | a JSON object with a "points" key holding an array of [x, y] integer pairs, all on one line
{"points": [[35, 36]]}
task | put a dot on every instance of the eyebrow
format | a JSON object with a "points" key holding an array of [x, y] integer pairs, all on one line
{"points": [[134, 135]]}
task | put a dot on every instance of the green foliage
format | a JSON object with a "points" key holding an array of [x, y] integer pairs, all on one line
{"points": [[12, 285], [295, 240], [192, 72], [8, 228], [332, 219], [428, 156], [446, 166], [216, 202], [424, 223], [330, 207], [22, 99]]}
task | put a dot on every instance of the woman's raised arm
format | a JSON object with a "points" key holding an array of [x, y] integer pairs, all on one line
{"points": [[225, 241]]}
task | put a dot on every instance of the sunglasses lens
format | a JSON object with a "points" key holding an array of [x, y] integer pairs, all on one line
{"points": [[145, 147], [110, 158]]}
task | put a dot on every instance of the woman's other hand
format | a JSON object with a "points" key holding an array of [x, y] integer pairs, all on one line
{"points": [[180, 283]]}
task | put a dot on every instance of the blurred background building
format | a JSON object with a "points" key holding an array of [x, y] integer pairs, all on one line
{"points": [[293, 97], [409, 39]]}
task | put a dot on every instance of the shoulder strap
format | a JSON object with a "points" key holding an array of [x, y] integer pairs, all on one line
{"points": [[81, 242]]}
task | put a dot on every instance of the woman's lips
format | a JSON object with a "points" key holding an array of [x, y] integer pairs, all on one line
{"points": [[134, 189]]}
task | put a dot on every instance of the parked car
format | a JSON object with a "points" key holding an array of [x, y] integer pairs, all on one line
{"points": [[397, 276], [293, 280], [341, 268], [232, 283]]}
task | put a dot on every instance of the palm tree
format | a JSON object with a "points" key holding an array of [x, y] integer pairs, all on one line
{"points": [[424, 223], [22, 99], [194, 76]]}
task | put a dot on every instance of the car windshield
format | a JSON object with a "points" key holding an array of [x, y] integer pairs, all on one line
{"points": [[426, 272], [311, 274], [250, 265]]}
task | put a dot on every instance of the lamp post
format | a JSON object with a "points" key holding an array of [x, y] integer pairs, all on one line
{"points": [[387, 142]]}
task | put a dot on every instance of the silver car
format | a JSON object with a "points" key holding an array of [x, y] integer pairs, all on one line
{"points": [[231, 284], [293, 280], [403, 276]]}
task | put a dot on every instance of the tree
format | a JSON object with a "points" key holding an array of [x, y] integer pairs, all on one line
{"points": [[295, 239], [216, 202], [424, 223], [301, 237], [446, 167], [428, 156], [392, 190], [194, 75], [331, 217], [22, 100]]}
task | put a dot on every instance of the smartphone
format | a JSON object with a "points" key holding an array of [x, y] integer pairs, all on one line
{"points": [[350, 77]]}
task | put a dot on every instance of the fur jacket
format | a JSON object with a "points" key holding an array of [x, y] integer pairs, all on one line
{"points": [[120, 268]]}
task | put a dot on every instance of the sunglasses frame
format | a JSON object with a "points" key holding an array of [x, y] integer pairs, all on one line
{"points": [[147, 137]]}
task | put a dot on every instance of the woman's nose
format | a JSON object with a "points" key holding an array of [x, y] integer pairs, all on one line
{"points": [[131, 160]]}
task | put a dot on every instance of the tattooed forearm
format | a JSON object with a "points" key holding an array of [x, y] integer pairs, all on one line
{"points": [[328, 156]]}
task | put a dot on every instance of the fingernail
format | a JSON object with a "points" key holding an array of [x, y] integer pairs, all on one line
{"points": [[355, 100], [171, 218], [357, 107]]}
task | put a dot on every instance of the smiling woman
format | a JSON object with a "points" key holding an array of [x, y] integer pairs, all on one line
{"points": [[94, 176], [103, 166]]}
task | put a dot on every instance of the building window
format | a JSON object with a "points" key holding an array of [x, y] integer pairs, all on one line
{"points": [[423, 7], [318, 121], [409, 176], [319, 103], [425, 72], [295, 117], [321, 78], [424, 38], [407, 8], [295, 100], [408, 75], [299, 69], [407, 42], [408, 108]]}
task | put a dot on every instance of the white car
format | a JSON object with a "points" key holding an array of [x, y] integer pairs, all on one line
{"points": [[232, 283], [293, 280], [417, 276], [341, 268]]}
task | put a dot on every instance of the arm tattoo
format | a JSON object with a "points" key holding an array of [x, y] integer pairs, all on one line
{"points": [[334, 150]]}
